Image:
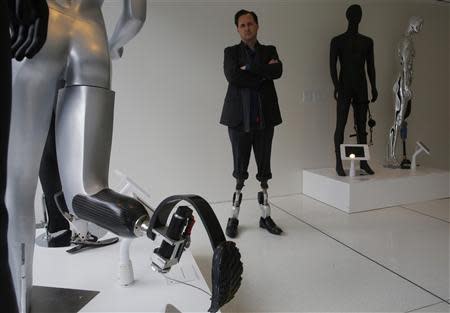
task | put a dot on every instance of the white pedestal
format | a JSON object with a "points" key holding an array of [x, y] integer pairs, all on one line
{"points": [[388, 187], [98, 270]]}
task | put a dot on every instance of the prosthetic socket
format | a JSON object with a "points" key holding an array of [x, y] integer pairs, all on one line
{"points": [[263, 200]]}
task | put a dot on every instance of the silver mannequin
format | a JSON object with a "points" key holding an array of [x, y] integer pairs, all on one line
{"points": [[77, 53], [402, 87]]}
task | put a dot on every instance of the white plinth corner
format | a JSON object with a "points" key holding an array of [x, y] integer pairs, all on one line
{"points": [[388, 187]]}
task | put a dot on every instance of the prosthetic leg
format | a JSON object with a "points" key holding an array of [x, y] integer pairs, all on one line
{"points": [[266, 221], [84, 175], [233, 221], [402, 109], [406, 164], [360, 110]]}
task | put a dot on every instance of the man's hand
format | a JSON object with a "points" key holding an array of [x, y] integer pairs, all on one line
{"points": [[243, 67], [374, 95], [29, 23], [336, 94], [273, 61]]}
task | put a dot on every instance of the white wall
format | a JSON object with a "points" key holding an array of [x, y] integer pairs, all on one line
{"points": [[170, 89]]}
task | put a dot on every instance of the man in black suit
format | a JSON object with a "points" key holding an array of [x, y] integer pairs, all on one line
{"points": [[353, 51], [251, 111]]}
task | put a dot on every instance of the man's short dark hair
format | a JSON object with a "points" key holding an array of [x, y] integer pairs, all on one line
{"points": [[244, 12]]}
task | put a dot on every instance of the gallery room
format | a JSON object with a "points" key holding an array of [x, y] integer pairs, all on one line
{"points": [[225, 156]]}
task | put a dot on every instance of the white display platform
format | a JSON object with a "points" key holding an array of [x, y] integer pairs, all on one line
{"points": [[97, 270], [388, 187]]}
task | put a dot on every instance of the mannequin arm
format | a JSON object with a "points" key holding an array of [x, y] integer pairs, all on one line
{"points": [[29, 23], [129, 24], [333, 66]]}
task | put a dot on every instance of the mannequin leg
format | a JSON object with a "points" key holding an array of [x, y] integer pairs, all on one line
{"points": [[342, 109], [51, 182], [399, 111], [30, 120], [360, 110], [7, 298]]}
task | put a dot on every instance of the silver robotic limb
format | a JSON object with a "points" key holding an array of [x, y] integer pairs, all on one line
{"points": [[237, 199], [402, 87], [266, 221], [264, 205]]}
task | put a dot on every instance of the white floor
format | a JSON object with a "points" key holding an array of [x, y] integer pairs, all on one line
{"points": [[387, 260]]}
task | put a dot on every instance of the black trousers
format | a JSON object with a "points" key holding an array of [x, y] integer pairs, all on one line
{"points": [[7, 296], [360, 115], [51, 182], [242, 143]]}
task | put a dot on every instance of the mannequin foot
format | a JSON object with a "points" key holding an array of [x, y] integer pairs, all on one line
{"points": [[340, 169], [269, 224], [60, 239], [366, 168], [232, 227]]}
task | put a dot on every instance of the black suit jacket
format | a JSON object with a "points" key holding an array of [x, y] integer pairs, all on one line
{"points": [[259, 76]]}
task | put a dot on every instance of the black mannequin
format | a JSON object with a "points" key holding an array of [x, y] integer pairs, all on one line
{"points": [[51, 185], [353, 51], [29, 20]]}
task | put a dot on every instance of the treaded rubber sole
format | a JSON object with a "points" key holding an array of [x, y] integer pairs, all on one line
{"points": [[227, 271]]}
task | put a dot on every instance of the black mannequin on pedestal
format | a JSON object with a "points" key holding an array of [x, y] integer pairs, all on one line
{"points": [[353, 51]]}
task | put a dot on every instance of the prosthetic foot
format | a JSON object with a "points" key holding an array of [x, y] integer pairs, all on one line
{"points": [[233, 222], [405, 164], [266, 221], [82, 238], [226, 265], [339, 168]]}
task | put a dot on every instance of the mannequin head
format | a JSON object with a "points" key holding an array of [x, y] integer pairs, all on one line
{"points": [[354, 14], [415, 24]]}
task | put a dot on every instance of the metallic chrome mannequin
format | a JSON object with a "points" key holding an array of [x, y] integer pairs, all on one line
{"points": [[402, 86], [78, 52]]}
